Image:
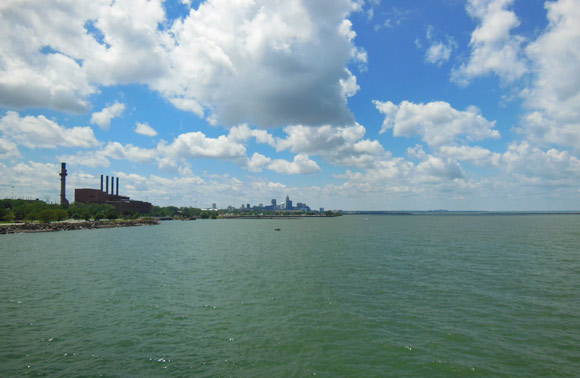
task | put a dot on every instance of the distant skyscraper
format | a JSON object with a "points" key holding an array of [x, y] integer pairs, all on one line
{"points": [[288, 203], [274, 203], [213, 206]]}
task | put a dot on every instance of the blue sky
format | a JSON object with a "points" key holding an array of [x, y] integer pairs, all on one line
{"points": [[389, 105]]}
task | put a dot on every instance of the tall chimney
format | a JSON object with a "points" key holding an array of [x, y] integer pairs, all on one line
{"points": [[107, 185], [101, 183], [112, 185], [117, 186], [63, 200]]}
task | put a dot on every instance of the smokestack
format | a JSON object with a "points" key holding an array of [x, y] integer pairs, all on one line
{"points": [[112, 185], [63, 200], [101, 183], [107, 185], [117, 186]]}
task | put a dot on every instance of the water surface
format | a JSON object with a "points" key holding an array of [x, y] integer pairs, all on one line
{"points": [[347, 296]]}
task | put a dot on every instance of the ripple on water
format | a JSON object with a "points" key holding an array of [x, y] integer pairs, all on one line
{"points": [[411, 296]]}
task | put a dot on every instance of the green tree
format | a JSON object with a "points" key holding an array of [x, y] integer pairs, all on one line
{"points": [[112, 214], [6, 215]]}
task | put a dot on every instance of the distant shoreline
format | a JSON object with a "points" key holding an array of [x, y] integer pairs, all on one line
{"points": [[278, 216], [17, 228], [474, 213]]}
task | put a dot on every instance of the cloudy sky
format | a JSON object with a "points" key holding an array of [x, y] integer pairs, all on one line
{"points": [[342, 104]]}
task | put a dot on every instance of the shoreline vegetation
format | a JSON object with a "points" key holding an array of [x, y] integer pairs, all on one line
{"points": [[19, 216]]}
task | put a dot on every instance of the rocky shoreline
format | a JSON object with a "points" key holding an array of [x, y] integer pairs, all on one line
{"points": [[70, 226]]}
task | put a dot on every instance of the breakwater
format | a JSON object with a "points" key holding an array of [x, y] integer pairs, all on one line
{"points": [[69, 226]]}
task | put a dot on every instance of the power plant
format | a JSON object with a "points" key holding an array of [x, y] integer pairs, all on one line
{"points": [[103, 195]]}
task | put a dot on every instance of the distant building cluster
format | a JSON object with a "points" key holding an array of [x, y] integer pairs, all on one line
{"points": [[287, 205]]}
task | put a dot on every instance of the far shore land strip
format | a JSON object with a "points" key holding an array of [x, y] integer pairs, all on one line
{"points": [[71, 225], [102, 208]]}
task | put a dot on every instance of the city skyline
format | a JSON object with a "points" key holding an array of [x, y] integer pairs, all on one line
{"points": [[349, 104]]}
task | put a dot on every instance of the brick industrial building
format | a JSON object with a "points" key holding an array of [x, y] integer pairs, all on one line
{"points": [[112, 197]]}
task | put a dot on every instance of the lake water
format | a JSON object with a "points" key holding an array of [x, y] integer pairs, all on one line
{"points": [[416, 296]]}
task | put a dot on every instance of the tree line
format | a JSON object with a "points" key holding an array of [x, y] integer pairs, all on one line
{"points": [[36, 210], [18, 210]]}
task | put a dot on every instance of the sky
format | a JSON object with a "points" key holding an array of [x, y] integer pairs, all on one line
{"points": [[341, 104]]}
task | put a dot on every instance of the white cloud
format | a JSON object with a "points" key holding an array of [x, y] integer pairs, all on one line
{"points": [[258, 61], [434, 169], [540, 129], [554, 94], [257, 162], [343, 146], [132, 50], [187, 105], [145, 129], [263, 62], [437, 123], [112, 150], [243, 132], [439, 52], [395, 17], [535, 166], [301, 165], [93, 159], [196, 145], [40, 132], [474, 154], [32, 180], [116, 150], [8, 150], [493, 48], [39, 51], [104, 117]]}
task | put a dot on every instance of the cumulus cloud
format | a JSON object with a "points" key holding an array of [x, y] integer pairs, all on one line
{"points": [[129, 152], [264, 62], [439, 52], [8, 150], [257, 162], [301, 164], [93, 159], [145, 129], [474, 154], [437, 123], [261, 62], [33, 179], [197, 145], [243, 132], [39, 54], [40, 132], [538, 167], [554, 94], [343, 146], [187, 105], [434, 169], [104, 117], [493, 48]]}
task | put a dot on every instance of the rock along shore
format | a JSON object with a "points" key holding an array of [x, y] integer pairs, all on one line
{"points": [[69, 226]]}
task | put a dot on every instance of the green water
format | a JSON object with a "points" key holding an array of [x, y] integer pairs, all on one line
{"points": [[416, 296]]}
